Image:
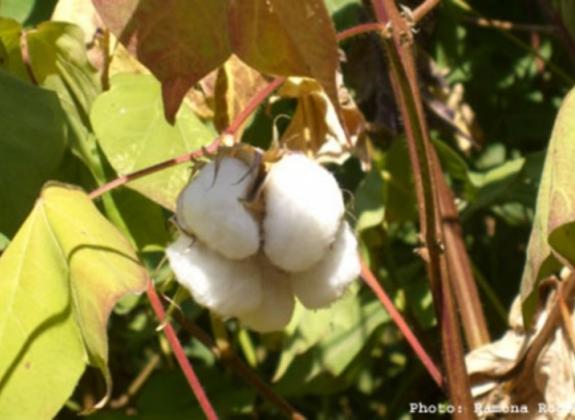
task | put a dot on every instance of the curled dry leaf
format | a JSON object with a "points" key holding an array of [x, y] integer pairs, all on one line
{"points": [[315, 128], [503, 382]]}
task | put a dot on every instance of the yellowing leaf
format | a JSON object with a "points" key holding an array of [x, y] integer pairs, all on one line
{"points": [[59, 279], [555, 209]]}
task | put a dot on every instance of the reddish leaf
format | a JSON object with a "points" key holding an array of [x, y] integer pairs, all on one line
{"points": [[180, 41], [284, 38]]}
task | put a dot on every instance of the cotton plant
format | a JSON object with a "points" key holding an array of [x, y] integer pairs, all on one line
{"points": [[257, 233]]}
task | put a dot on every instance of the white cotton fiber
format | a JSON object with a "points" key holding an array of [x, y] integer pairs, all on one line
{"points": [[326, 281], [210, 207], [277, 305], [304, 209], [227, 287]]}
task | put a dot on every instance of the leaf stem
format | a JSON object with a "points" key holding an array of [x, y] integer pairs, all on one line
{"points": [[183, 361], [370, 279]]}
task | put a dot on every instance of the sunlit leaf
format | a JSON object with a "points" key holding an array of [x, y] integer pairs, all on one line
{"points": [[59, 279], [330, 345], [555, 207], [31, 146], [180, 41], [130, 126], [336, 334]]}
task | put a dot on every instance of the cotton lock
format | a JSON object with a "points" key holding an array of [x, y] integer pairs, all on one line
{"points": [[328, 279], [304, 209], [255, 238], [228, 287], [211, 208]]}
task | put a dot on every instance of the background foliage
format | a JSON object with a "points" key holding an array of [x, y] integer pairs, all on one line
{"points": [[491, 96]]}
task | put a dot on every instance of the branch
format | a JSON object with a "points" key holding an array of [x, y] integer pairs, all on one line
{"points": [[403, 75], [183, 361]]}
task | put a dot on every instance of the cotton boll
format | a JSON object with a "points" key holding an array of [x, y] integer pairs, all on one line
{"points": [[326, 281], [227, 287], [277, 305], [210, 207], [304, 208]]}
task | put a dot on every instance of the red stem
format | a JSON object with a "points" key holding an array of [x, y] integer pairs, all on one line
{"points": [[183, 361], [425, 359], [364, 28]]}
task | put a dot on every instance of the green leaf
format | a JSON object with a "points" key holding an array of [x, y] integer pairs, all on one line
{"points": [[369, 200], [514, 181], [287, 38], [555, 209], [128, 121], [455, 166], [180, 41], [32, 144], [12, 62], [59, 279], [57, 49], [144, 220], [59, 62], [335, 335]]}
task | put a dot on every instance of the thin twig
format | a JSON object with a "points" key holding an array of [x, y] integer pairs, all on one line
{"points": [[364, 28], [176, 347], [370, 279], [506, 25], [137, 383]]}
